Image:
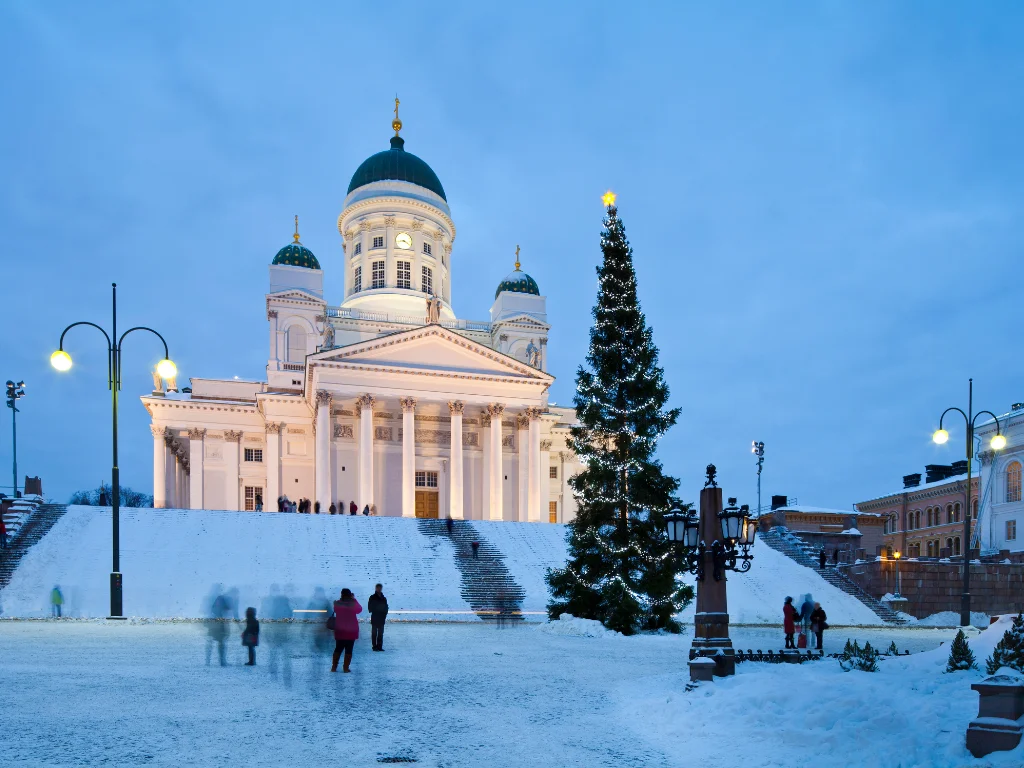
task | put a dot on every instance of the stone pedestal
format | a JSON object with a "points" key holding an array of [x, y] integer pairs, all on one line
{"points": [[702, 669], [1000, 721], [711, 622]]}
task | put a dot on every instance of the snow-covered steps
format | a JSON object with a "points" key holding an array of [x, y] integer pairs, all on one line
{"points": [[30, 530]]}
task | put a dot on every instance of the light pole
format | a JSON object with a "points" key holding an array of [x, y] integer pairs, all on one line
{"points": [[757, 448], [14, 393], [998, 443], [896, 555], [61, 360]]}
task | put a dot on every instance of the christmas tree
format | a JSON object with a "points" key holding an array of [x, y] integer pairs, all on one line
{"points": [[961, 658], [1009, 652], [622, 569]]}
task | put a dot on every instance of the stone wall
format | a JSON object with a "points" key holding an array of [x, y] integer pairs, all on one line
{"points": [[932, 587]]}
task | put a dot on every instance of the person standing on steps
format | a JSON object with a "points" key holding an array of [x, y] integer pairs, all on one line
{"points": [[332, 509], [259, 502], [476, 549], [449, 524], [346, 628], [3, 534], [789, 616], [251, 635], [352, 508], [822, 559], [377, 605], [56, 601]]}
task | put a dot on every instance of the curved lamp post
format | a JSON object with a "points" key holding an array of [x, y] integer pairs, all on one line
{"points": [[15, 391], [998, 442], [61, 360], [757, 448]]}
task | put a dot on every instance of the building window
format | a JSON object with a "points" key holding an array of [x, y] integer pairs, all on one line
{"points": [[444, 261], [930, 549], [1011, 530], [917, 519], [426, 248], [378, 242], [296, 344], [254, 454], [426, 479], [956, 512], [949, 513], [404, 274], [974, 509], [427, 283], [956, 545], [1013, 481], [358, 249], [251, 492], [552, 511], [378, 274], [553, 473], [357, 281]]}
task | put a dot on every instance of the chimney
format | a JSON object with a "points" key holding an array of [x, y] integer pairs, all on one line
{"points": [[936, 472], [912, 481], [958, 468], [779, 501]]}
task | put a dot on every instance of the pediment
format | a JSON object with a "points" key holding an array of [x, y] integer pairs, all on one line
{"points": [[296, 294], [523, 320], [431, 348]]}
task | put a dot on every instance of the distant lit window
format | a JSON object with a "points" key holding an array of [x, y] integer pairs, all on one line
{"points": [[1011, 530], [1013, 481], [552, 511]]}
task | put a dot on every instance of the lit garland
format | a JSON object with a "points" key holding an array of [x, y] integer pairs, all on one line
{"points": [[646, 602]]}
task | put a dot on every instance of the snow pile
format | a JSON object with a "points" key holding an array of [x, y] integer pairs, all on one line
{"points": [[946, 619], [570, 626]]}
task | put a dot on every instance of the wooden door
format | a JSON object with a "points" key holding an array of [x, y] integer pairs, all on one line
{"points": [[427, 504]]}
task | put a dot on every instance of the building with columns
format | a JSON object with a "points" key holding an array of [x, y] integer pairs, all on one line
{"points": [[388, 399]]}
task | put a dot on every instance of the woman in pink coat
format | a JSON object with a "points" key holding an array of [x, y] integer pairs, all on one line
{"points": [[346, 628]]}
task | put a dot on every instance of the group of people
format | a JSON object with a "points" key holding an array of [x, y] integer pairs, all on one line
{"points": [[343, 622], [307, 507], [806, 623]]}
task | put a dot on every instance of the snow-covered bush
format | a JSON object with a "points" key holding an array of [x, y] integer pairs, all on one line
{"points": [[1009, 652], [854, 657], [961, 658]]}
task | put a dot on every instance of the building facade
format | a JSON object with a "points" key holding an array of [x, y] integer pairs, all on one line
{"points": [[387, 400], [1001, 475]]}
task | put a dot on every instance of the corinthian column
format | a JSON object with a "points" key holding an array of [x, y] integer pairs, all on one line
{"points": [[159, 470], [455, 498], [534, 462], [231, 438], [195, 465], [273, 466], [364, 407], [169, 477], [322, 423], [544, 476], [523, 468], [408, 457], [485, 450], [495, 410]]}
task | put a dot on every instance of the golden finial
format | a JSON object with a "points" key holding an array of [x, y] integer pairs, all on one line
{"points": [[608, 198], [517, 258], [296, 235], [396, 123]]}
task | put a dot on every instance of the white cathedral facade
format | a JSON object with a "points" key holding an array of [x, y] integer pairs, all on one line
{"points": [[388, 400]]}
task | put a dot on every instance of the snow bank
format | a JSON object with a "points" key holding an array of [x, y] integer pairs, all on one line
{"points": [[570, 626], [946, 619]]}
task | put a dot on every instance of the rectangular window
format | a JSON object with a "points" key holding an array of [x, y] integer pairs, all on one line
{"points": [[1011, 530], [358, 249], [426, 479], [254, 454], [378, 274], [251, 492], [357, 281], [426, 248], [427, 282], [553, 473], [378, 242], [404, 274], [552, 511]]}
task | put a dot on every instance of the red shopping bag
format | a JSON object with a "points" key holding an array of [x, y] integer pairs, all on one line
{"points": [[801, 641]]}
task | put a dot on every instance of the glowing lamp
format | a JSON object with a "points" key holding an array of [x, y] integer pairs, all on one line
{"points": [[941, 436], [166, 369], [61, 360], [998, 443], [896, 554]]}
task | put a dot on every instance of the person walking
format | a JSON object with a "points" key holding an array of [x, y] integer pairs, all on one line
{"points": [[346, 628], [373, 510], [818, 623], [259, 502], [316, 508], [789, 616], [822, 559], [835, 556], [806, 609], [251, 635], [352, 507], [476, 549], [332, 510], [377, 605], [449, 524], [366, 511], [56, 601], [3, 533]]}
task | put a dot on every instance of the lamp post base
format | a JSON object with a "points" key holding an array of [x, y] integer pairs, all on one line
{"points": [[711, 640], [116, 607]]}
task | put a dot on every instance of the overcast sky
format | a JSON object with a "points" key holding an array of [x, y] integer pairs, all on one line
{"points": [[824, 206]]}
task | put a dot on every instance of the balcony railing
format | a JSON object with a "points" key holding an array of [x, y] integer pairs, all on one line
{"points": [[411, 320]]}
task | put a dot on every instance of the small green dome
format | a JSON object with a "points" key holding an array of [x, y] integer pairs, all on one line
{"points": [[518, 282], [396, 164], [297, 255]]}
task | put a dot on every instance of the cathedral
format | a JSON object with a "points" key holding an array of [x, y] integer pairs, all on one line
{"points": [[388, 400]]}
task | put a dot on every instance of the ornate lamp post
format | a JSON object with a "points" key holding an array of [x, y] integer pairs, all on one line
{"points": [[61, 360], [731, 531], [998, 442], [757, 448], [14, 393]]}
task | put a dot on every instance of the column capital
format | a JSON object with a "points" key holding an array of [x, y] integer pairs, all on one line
{"points": [[456, 406], [273, 427], [533, 413], [158, 431], [365, 401], [545, 445], [271, 314], [389, 221], [197, 433], [231, 435], [323, 397], [522, 421], [408, 404], [494, 410], [485, 419]]}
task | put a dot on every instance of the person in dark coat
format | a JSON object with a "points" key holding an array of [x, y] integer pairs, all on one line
{"points": [[3, 534], [316, 508], [377, 605], [818, 623], [789, 616], [251, 635], [822, 559], [353, 508], [449, 524], [835, 556], [366, 511], [259, 502], [331, 510], [805, 617], [346, 628], [476, 549]]}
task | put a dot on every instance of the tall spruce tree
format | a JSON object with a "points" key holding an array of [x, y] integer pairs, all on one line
{"points": [[622, 569]]}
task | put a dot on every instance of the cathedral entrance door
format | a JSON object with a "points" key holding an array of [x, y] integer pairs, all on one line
{"points": [[427, 504]]}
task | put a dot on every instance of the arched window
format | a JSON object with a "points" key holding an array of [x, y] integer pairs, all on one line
{"points": [[930, 518], [956, 545], [1013, 481], [917, 519], [956, 512], [974, 509], [296, 344], [949, 513], [930, 549], [949, 544]]}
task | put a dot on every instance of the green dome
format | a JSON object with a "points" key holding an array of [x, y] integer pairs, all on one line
{"points": [[297, 255], [396, 164], [518, 282]]}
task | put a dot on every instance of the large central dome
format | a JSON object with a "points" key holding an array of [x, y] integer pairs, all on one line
{"points": [[396, 164]]}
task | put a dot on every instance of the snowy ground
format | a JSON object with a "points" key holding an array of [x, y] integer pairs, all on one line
{"points": [[96, 692]]}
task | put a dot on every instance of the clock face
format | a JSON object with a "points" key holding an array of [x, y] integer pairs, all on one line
{"points": [[403, 241]]}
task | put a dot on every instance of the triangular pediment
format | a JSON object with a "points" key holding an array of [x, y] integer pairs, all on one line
{"points": [[430, 348], [296, 294], [523, 320]]}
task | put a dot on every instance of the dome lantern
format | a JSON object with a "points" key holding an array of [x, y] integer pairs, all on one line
{"points": [[518, 281], [296, 254]]}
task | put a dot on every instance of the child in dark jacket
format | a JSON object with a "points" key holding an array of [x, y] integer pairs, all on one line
{"points": [[251, 635]]}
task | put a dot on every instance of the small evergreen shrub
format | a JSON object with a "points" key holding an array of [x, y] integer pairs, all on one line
{"points": [[1009, 651], [854, 657], [892, 650], [961, 658]]}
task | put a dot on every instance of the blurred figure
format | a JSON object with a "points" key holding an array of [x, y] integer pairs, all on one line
{"points": [[822, 559], [277, 608], [789, 616], [251, 635], [818, 624], [3, 533], [476, 549], [378, 608], [217, 628], [366, 511], [259, 502], [373, 510], [332, 509], [352, 507], [56, 601], [316, 508], [346, 628], [449, 524]]}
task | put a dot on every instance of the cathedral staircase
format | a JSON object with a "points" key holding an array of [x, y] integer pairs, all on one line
{"points": [[487, 585], [30, 531], [795, 549]]}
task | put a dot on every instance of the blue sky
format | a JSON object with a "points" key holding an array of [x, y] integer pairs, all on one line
{"points": [[824, 204]]}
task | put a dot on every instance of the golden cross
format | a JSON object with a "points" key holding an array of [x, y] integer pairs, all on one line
{"points": [[296, 228], [517, 257], [396, 106]]}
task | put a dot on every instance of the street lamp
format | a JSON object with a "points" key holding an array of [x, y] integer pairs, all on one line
{"points": [[61, 360], [14, 393], [896, 555], [998, 442], [757, 448]]}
